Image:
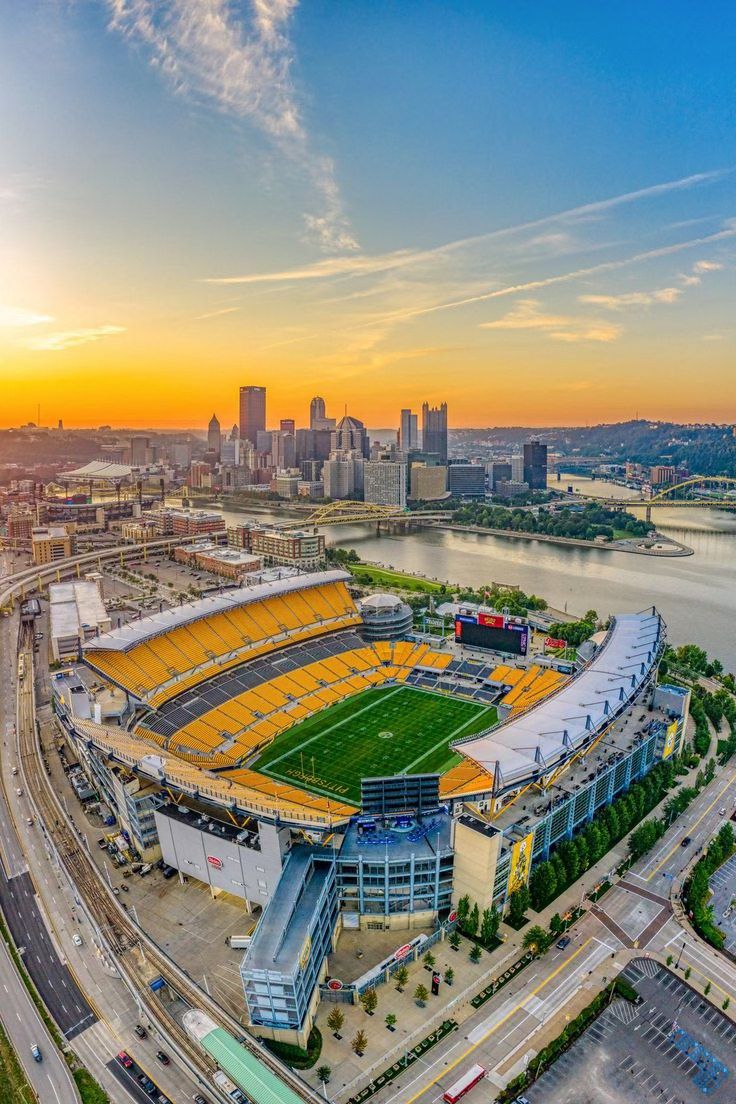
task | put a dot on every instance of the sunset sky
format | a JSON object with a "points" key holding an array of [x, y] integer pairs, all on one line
{"points": [[527, 209]]}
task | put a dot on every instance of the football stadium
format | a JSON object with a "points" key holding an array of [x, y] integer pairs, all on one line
{"points": [[278, 752]]}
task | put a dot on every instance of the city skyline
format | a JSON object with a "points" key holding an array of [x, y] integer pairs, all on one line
{"points": [[547, 222]]}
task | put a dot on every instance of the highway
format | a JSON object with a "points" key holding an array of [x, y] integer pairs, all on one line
{"points": [[51, 1078]]}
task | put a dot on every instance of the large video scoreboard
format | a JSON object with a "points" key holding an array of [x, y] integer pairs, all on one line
{"points": [[493, 632]]}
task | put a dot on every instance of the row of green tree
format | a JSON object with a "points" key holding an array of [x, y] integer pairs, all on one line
{"points": [[576, 632], [697, 891], [574, 856], [476, 925], [586, 523]]}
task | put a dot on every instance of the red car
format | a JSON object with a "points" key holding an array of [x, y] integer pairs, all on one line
{"points": [[125, 1059]]}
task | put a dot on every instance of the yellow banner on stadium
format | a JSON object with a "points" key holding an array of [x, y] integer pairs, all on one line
{"points": [[669, 743], [521, 861]]}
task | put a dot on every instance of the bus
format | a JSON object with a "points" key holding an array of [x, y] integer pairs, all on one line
{"points": [[464, 1084], [21, 668]]}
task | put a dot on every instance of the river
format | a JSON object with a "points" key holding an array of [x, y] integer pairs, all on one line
{"points": [[695, 594]]}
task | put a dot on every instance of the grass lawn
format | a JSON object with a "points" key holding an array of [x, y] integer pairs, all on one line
{"points": [[382, 576], [385, 731], [14, 1088]]}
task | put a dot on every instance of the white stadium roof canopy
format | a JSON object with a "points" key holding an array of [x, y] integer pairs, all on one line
{"points": [[99, 470], [534, 742], [135, 632]]}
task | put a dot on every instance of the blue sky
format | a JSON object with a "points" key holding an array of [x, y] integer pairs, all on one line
{"points": [[399, 175]]}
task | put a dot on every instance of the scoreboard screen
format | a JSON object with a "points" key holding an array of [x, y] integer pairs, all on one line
{"points": [[498, 638]]}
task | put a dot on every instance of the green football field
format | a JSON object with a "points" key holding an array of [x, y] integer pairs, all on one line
{"points": [[385, 731]]}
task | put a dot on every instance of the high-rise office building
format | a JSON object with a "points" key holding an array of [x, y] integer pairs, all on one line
{"points": [[283, 450], [139, 447], [384, 482], [434, 430], [287, 425], [535, 465], [517, 468], [350, 436], [252, 412], [408, 431], [317, 412], [214, 437]]}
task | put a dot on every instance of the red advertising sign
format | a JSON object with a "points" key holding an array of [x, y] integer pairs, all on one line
{"points": [[334, 984], [214, 861], [493, 620], [550, 642], [452, 917], [402, 952]]}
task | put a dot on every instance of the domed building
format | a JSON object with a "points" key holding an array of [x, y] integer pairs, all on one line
{"points": [[385, 617]]}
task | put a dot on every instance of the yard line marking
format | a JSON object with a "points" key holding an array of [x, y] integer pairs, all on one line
{"points": [[337, 724], [446, 739]]}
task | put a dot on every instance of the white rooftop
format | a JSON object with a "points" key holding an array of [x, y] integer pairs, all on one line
{"points": [[127, 636], [100, 469], [73, 605], [536, 740]]}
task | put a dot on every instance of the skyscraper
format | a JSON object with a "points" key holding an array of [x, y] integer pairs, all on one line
{"points": [[408, 431], [434, 430], [535, 465], [214, 437], [317, 412], [287, 425], [350, 435], [252, 412]]}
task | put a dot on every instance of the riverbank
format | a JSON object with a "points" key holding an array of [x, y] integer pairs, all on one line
{"points": [[663, 546]]}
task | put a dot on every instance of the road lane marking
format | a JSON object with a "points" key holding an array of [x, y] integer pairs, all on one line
{"points": [[500, 1023], [694, 825]]}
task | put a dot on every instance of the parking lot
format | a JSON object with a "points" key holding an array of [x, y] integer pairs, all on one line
{"points": [[672, 1048], [723, 884]]}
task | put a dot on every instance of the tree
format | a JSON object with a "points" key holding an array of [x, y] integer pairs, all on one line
{"points": [[429, 960], [556, 924], [421, 993], [369, 1000], [449, 975], [335, 1020], [454, 940], [463, 910], [324, 1073], [473, 920], [359, 1042], [391, 1021], [489, 925], [401, 977], [543, 885], [518, 904], [475, 953], [536, 940]]}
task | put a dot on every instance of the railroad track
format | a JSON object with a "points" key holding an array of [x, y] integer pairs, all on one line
{"points": [[141, 963]]}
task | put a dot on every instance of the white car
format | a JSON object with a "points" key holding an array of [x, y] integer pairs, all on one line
{"points": [[18, 791], [77, 940]]}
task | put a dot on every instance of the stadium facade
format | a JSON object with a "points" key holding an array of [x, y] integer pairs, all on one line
{"points": [[223, 733]]}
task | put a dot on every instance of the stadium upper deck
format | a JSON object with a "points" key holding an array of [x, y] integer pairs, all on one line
{"points": [[160, 656], [531, 743]]}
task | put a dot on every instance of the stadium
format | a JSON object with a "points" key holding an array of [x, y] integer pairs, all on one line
{"points": [[333, 780]]}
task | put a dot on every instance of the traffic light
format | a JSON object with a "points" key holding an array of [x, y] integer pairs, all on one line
{"points": [[435, 983]]}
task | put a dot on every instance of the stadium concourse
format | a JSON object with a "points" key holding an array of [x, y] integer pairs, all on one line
{"points": [[335, 782]]}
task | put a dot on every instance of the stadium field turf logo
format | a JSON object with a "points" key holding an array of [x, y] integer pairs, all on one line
{"points": [[387, 734]]}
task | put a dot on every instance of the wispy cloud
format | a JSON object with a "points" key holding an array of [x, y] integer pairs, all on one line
{"points": [[365, 264], [216, 313], [68, 339], [242, 67], [526, 315], [633, 298], [696, 273], [17, 317]]}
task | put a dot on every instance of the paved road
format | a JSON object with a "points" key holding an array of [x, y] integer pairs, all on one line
{"points": [[637, 913], [50, 1078]]}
